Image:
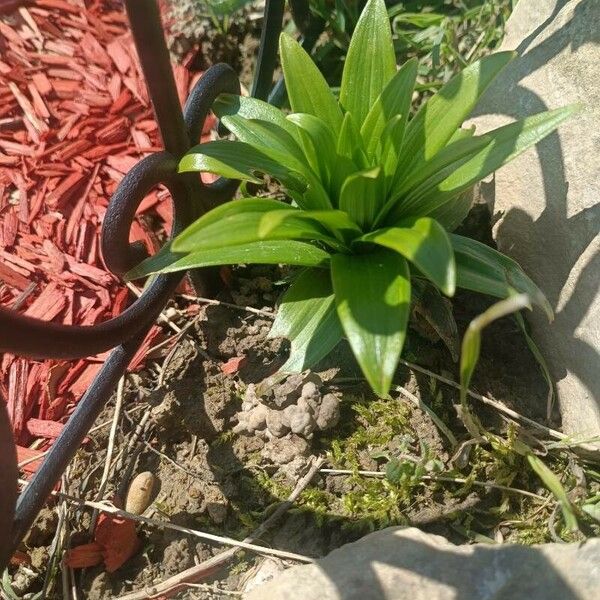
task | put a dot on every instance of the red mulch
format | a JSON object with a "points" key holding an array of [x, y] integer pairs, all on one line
{"points": [[74, 117]]}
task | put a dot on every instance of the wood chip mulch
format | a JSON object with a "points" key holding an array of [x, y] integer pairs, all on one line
{"points": [[74, 118]]}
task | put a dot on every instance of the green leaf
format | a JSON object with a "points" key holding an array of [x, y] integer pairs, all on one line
{"points": [[391, 147], [593, 510], [307, 89], [420, 181], [336, 222], [350, 143], [288, 252], [238, 160], [439, 118], [395, 99], [277, 144], [552, 482], [370, 61], [506, 143], [452, 214], [245, 227], [269, 138], [372, 295], [252, 108], [426, 244], [318, 144], [362, 195], [471, 344], [482, 269], [307, 317]]}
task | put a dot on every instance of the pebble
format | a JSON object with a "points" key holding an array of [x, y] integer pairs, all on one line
{"points": [[139, 493]]}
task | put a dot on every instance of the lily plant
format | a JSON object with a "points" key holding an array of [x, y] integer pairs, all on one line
{"points": [[374, 197]]}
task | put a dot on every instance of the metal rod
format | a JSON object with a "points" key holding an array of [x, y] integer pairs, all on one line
{"points": [[68, 442], [267, 55], [144, 17]]}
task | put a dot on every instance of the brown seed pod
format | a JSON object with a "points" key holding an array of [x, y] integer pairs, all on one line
{"points": [[139, 494]]}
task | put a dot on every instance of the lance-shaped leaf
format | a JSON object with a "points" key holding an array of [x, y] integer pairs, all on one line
{"points": [[336, 222], [279, 145], [307, 317], [482, 269], [307, 89], [245, 227], [252, 108], [391, 147], [370, 61], [287, 252], [350, 142], [395, 99], [271, 139], [372, 295], [506, 143], [426, 244], [440, 117], [318, 143], [238, 160], [362, 195]]}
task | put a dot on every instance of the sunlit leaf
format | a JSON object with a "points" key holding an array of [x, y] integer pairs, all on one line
{"points": [[307, 317], [426, 244], [318, 143], [287, 252], [370, 61], [395, 99], [361, 196], [238, 160], [307, 89], [335, 222], [439, 118], [506, 143], [372, 295], [252, 108], [245, 227]]}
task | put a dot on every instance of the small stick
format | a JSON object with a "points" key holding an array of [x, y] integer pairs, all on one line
{"points": [[256, 311], [109, 449], [175, 584]]}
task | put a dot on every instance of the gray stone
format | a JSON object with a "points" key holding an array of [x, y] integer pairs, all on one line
{"points": [[406, 564], [549, 196]]}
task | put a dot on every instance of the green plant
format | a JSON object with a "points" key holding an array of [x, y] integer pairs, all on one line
{"points": [[375, 196]]}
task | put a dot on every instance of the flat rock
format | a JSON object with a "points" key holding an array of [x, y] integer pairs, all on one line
{"points": [[549, 197], [404, 563]]}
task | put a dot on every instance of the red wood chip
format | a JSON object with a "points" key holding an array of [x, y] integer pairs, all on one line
{"points": [[233, 365]]}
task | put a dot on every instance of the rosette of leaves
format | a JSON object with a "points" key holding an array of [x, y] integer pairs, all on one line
{"points": [[375, 196]]}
